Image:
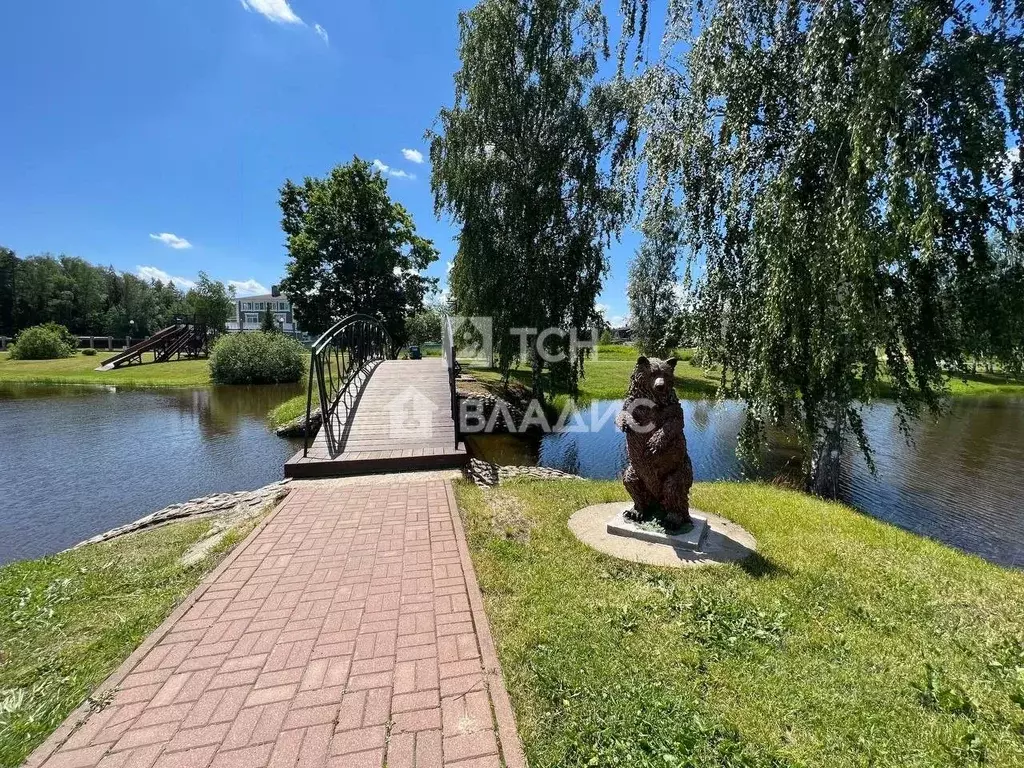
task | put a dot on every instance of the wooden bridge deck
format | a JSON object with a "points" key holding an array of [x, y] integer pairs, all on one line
{"points": [[398, 419]]}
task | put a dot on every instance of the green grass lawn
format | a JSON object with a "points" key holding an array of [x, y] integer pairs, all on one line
{"points": [[843, 642], [78, 369], [68, 621], [291, 409], [980, 384], [606, 377]]}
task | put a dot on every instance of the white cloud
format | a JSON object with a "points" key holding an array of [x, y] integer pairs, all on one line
{"points": [[388, 170], [175, 242], [323, 33], [247, 287], [413, 155], [276, 10], [155, 273], [618, 321]]}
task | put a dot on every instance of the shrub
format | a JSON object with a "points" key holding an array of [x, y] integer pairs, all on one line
{"points": [[43, 342], [606, 337], [66, 336], [257, 358], [88, 351]]}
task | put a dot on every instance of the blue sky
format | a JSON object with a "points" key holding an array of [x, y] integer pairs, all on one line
{"points": [[153, 136]]}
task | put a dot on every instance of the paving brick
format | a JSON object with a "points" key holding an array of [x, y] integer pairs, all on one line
{"points": [[316, 745], [469, 745], [407, 702], [345, 619], [249, 757], [428, 749], [374, 758], [419, 720], [358, 740], [200, 757]]}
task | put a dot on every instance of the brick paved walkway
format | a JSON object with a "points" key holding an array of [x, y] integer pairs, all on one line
{"points": [[348, 631]]}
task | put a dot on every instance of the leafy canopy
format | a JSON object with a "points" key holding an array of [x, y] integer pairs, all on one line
{"points": [[838, 169], [88, 299], [651, 290], [352, 250], [518, 162], [209, 303]]}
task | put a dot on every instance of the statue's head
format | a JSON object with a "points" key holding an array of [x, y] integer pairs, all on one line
{"points": [[654, 379]]}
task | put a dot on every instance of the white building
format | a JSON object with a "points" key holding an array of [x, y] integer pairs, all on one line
{"points": [[249, 311]]}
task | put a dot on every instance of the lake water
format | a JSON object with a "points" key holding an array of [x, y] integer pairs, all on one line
{"points": [[961, 480], [77, 461]]}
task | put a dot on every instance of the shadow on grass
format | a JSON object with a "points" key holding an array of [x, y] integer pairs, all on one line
{"points": [[760, 567]]}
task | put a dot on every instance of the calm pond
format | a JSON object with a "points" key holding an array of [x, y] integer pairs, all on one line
{"points": [[77, 461], [961, 480]]}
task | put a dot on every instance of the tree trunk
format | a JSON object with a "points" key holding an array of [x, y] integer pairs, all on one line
{"points": [[537, 365], [826, 463]]}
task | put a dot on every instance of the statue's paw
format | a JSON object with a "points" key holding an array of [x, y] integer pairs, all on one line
{"points": [[676, 521], [634, 515]]}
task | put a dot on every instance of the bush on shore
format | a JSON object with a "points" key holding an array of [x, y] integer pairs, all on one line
{"points": [[257, 358], [44, 342]]}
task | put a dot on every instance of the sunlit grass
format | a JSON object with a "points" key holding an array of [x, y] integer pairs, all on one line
{"points": [[844, 642], [78, 369], [606, 375], [68, 621], [292, 409]]}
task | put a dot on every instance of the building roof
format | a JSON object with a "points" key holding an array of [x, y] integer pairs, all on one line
{"points": [[262, 297]]}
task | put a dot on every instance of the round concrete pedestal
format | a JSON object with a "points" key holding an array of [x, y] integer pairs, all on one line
{"points": [[722, 542]]}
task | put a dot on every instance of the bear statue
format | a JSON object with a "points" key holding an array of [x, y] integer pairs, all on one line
{"points": [[659, 474]]}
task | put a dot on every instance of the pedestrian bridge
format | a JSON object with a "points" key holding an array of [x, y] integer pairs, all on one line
{"points": [[380, 414]]}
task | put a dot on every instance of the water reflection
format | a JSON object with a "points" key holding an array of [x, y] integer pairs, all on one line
{"points": [[960, 480], [76, 461]]}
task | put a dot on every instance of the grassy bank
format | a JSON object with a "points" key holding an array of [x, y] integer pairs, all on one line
{"points": [[291, 409], [606, 377], [78, 369], [844, 642], [980, 384], [68, 621]]}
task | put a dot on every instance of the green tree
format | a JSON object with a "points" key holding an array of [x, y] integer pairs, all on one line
{"points": [[519, 162], [352, 249], [425, 325], [838, 170], [651, 289], [267, 323], [36, 286], [993, 311], [8, 269], [209, 302]]}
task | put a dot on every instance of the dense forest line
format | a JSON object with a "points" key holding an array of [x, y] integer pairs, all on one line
{"points": [[94, 300]]}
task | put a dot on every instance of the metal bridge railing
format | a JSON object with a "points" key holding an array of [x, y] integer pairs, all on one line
{"points": [[448, 350], [344, 351]]}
